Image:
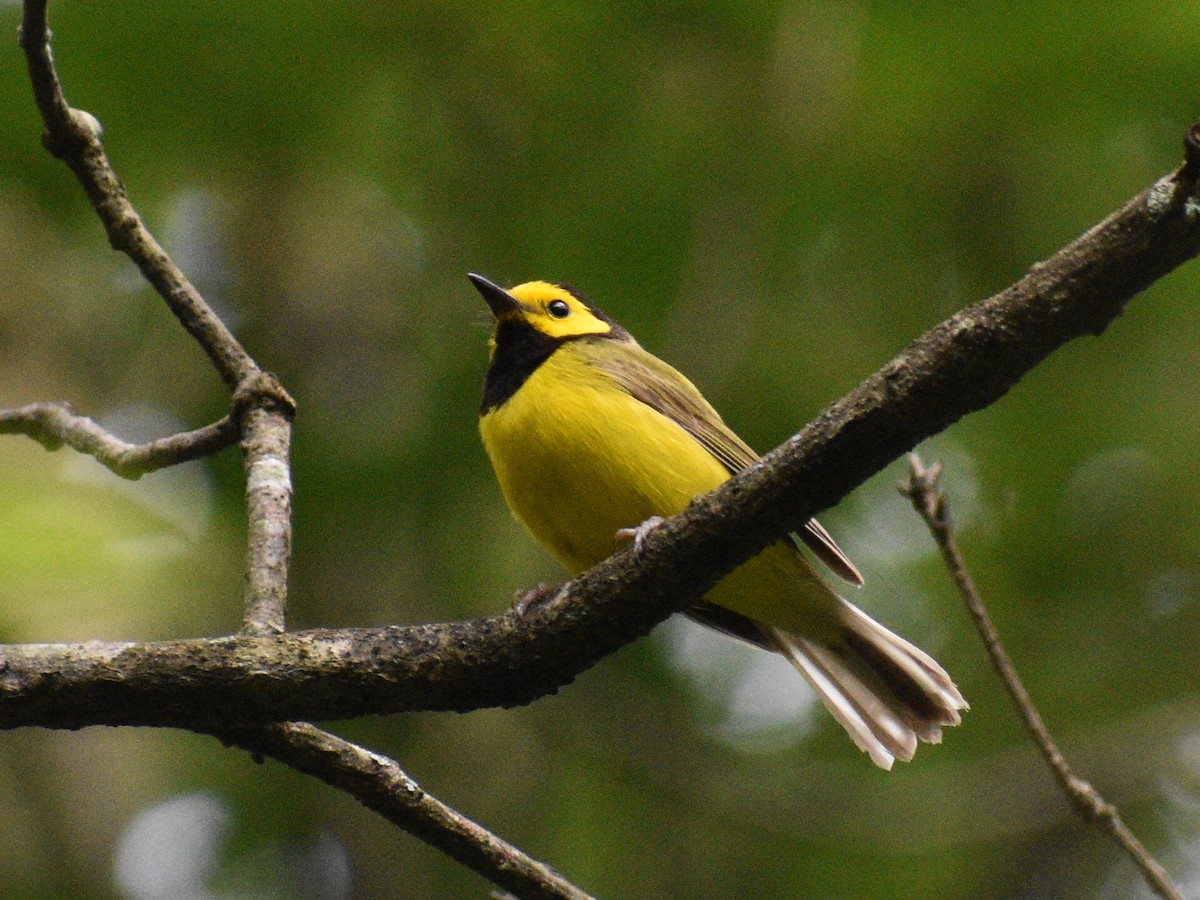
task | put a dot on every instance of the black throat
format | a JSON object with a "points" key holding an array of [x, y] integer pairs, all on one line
{"points": [[520, 349]]}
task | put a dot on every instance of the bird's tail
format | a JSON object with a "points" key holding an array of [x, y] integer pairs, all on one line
{"points": [[887, 693]]}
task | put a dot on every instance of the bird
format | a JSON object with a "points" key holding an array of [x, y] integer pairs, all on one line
{"points": [[592, 437]]}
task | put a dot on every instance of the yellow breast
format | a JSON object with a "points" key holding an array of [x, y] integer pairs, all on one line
{"points": [[578, 459]]}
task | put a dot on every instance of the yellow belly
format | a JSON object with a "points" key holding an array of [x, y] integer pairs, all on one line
{"points": [[578, 459]]}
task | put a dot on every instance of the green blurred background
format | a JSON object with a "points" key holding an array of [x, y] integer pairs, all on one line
{"points": [[773, 196]]}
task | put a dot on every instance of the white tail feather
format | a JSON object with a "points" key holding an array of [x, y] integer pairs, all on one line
{"points": [[922, 668], [885, 692]]}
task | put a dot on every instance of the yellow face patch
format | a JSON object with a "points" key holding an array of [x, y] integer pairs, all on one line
{"points": [[556, 312]]}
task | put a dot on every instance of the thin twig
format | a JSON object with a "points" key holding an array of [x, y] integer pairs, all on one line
{"points": [[381, 785], [55, 424], [74, 137], [931, 505]]}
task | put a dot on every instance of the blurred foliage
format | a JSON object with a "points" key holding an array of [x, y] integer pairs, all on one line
{"points": [[775, 197]]}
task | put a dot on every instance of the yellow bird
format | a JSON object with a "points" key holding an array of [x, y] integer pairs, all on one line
{"points": [[590, 435]]}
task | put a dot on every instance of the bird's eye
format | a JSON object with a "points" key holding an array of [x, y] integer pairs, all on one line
{"points": [[558, 309]]}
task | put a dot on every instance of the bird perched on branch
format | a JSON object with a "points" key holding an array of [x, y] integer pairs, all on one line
{"points": [[591, 436]]}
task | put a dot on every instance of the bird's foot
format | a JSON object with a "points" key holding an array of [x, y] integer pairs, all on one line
{"points": [[528, 600], [638, 535]]}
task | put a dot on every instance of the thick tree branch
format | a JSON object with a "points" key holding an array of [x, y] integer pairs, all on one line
{"points": [[960, 366], [55, 424], [380, 785], [931, 505]]}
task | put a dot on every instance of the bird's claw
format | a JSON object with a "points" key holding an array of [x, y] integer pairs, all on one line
{"points": [[639, 534], [527, 600]]}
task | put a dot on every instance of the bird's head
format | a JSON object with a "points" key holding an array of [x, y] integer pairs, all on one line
{"points": [[553, 310]]}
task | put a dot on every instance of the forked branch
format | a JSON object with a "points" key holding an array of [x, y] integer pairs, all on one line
{"points": [[262, 417]]}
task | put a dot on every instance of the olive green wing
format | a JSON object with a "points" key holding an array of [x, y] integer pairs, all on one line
{"points": [[650, 380]]}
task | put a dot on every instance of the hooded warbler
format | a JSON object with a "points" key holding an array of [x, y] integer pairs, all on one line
{"points": [[589, 435]]}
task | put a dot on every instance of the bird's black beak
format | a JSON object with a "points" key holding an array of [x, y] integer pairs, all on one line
{"points": [[500, 300]]}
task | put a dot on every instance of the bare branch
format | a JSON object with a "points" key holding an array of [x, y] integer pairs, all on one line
{"points": [[931, 505], [962, 365], [55, 424], [267, 412], [264, 413], [222, 683], [380, 785], [978, 354], [74, 137]]}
